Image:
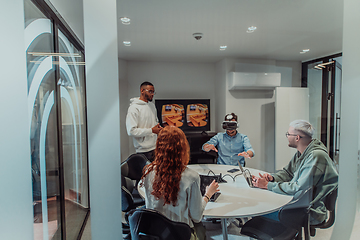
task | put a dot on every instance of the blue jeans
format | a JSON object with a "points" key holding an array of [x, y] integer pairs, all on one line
{"points": [[273, 215]]}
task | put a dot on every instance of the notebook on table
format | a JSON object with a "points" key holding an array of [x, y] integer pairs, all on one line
{"points": [[206, 180], [247, 175]]}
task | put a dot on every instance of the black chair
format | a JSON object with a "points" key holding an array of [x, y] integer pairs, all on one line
{"points": [[330, 202], [147, 224], [293, 217], [131, 172], [202, 157], [133, 166], [128, 202]]}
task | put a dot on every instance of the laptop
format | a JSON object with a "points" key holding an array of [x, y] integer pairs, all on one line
{"points": [[247, 175], [206, 180]]}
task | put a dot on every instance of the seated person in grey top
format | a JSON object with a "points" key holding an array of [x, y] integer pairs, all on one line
{"points": [[311, 166], [171, 187]]}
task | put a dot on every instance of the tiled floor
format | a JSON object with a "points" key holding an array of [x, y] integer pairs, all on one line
{"points": [[214, 232]]}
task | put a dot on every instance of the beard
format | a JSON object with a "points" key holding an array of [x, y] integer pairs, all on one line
{"points": [[231, 132], [149, 98], [292, 145]]}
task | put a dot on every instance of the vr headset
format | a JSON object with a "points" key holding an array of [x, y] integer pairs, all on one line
{"points": [[229, 125]]}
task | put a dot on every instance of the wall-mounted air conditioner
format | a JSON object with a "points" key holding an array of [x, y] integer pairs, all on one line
{"points": [[242, 80]]}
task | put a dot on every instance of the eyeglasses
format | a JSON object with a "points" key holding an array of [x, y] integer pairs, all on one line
{"points": [[287, 134], [150, 91]]}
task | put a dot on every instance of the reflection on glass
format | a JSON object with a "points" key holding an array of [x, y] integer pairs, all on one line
{"points": [[72, 91], [42, 124], [315, 90], [52, 76]]}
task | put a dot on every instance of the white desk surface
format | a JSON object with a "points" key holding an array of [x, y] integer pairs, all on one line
{"points": [[237, 199]]}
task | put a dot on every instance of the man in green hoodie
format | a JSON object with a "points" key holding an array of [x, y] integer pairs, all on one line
{"points": [[311, 166]]}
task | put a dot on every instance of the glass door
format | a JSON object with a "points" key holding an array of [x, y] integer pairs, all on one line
{"points": [[323, 78], [337, 76], [43, 122], [73, 117], [57, 123]]}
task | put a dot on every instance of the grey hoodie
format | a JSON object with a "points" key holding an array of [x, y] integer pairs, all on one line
{"points": [[141, 117], [312, 168]]}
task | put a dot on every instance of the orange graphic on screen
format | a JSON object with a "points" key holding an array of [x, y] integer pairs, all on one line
{"points": [[197, 115], [173, 115]]}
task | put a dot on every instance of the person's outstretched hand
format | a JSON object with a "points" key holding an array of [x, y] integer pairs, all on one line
{"points": [[212, 188], [208, 147]]}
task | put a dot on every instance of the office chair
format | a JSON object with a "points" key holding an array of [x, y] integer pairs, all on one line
{"points": [[128, 201], [330, 202], [133, 166], [203, 157], [292, 218], [148, 224], [131, 173]]}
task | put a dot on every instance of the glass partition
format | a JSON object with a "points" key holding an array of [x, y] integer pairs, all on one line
{"points": [[43, 123], [72, 91], [324, 79], [57, 123]]}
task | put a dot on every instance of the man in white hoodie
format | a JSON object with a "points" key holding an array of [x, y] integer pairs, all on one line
{"points": [[141, 121]]}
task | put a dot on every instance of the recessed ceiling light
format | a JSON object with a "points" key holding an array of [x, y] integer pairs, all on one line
{"points": [[251, 29], [304, 51], [125, 20], [127, 43], [222, 48]]}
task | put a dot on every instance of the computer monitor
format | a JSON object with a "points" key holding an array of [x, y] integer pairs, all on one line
{"points": [[190, 115]]}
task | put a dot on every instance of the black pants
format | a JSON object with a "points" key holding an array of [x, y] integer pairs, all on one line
{"points": [[149, 155]]}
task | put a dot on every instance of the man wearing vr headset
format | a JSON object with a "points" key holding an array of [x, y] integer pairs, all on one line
{"points": [[232, 146]]}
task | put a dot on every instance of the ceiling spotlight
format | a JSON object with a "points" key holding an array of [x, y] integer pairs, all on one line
{"points": [[198, 36], [125, 20], [251, 29], [304, 51], [127, 43], [222, 48]]}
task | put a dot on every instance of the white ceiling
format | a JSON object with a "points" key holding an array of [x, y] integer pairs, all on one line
{"points": [[161, 30]]}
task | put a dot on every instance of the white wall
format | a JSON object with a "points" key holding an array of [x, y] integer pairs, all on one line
{"points": [[204, 80], [256, 108], [172, 80], [349, 125], [16, 208], [102, 85], [124, 104], [72, 12], [220, 86], [290, 104]]}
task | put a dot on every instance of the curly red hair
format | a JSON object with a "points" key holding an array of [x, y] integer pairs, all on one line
{"points": [[171, 159]]}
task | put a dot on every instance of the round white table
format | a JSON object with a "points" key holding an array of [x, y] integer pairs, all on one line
{"points": [[237, 199]]}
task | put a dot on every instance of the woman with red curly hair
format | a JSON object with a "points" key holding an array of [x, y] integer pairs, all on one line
{"points": [[173, 189]]}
